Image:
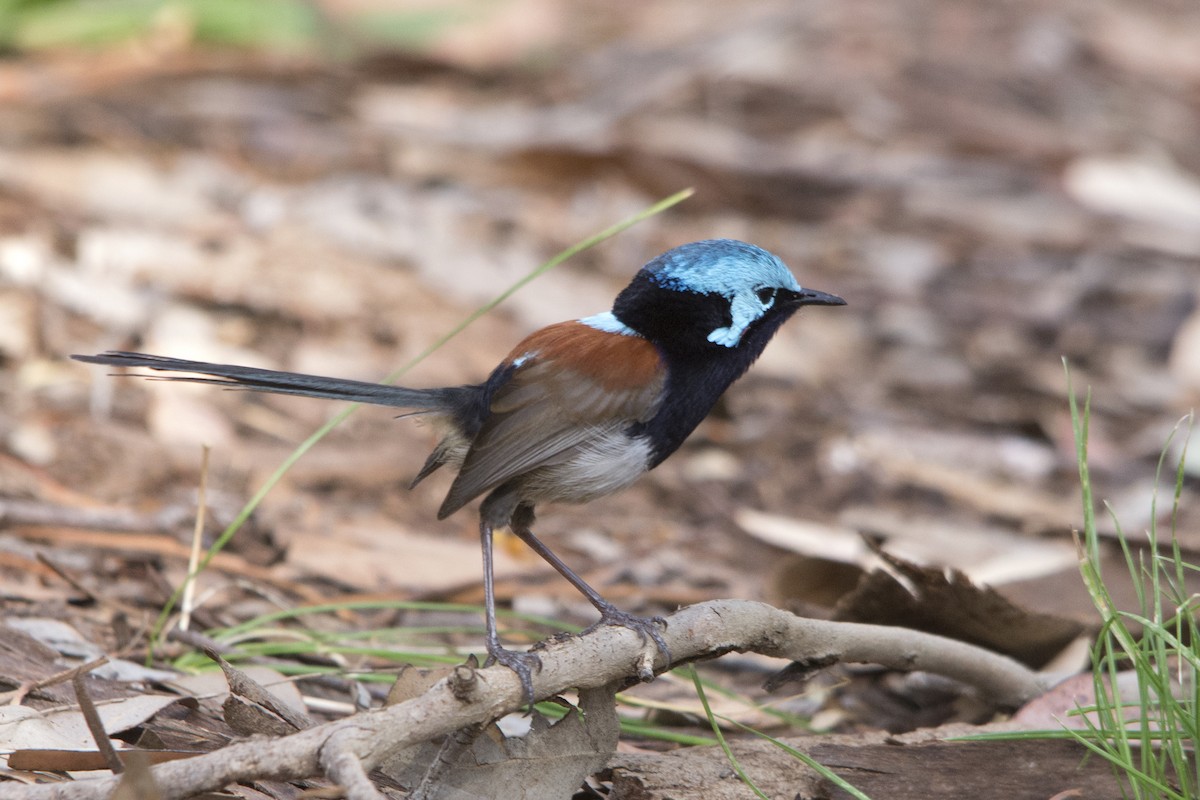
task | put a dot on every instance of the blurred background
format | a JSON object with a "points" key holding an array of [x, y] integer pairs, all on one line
{"points": [[329, 186]]}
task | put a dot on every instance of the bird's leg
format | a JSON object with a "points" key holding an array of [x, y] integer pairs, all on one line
{"points": [[645, 627], [521, 663]]}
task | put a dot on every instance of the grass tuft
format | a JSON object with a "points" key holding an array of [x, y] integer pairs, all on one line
{"points": [[1148, 734]]}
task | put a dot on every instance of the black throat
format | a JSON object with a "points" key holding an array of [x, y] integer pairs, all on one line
{"points": [[693, 387], [698, 371]]}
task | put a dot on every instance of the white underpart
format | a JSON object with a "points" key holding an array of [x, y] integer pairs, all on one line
{"points": [[607, 463]]}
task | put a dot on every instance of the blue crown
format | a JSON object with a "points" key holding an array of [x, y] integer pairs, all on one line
{"points": [[719, 266]]}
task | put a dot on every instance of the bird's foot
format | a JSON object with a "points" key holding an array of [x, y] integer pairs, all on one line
{"points": [[648, 628], [524, 664]]}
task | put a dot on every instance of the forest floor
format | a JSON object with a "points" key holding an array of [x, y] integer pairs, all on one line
{"points": [[992, 187]]}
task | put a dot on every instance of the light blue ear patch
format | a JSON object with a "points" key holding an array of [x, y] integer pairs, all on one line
{"points": [[744, 308], [609, 323], [735, 270]]}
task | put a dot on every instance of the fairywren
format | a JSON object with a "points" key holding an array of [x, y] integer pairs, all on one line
{"points": [[578, 409]]}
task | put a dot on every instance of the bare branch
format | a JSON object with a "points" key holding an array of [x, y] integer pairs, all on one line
{"points": [[343, 766], [700, 631]]}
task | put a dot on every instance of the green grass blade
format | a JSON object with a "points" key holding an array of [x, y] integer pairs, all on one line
{"points": [[808, 761], [337, 419], [716, 729]]}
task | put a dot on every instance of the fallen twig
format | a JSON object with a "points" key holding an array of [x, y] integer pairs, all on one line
{"points": [[17, 695], [604, 655], [96, 725]]}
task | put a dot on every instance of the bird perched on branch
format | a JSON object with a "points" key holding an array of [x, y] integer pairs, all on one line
{"points": [[578, 409]]}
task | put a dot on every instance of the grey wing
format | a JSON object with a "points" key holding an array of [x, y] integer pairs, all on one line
{"points": [[540, 418]]}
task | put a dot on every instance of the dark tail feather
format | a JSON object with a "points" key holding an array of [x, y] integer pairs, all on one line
{"points": [[269, 380]]}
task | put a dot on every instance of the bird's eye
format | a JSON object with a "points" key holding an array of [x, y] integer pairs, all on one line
{"points": [[765, 295]]}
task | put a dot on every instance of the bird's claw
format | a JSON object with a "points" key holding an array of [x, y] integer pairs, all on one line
{"points": [[648, 628], [524, 664]]}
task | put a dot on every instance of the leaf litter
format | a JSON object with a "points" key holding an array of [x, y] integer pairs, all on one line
{"points": [[966, 176]]}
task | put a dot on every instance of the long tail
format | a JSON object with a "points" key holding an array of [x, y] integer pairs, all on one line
{"points": [[269, 380]]}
